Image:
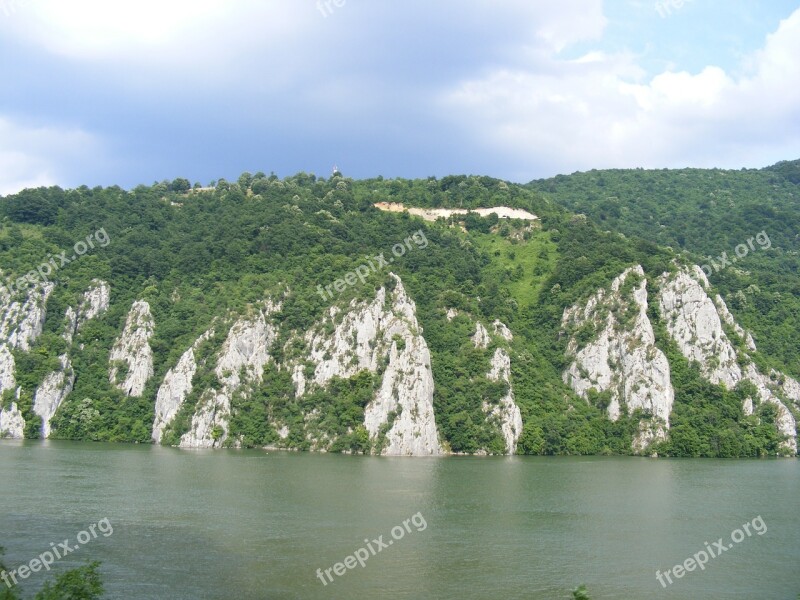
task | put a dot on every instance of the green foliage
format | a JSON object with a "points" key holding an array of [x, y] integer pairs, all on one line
{"points": [[580, 593], [83, 583], [708, 420], [707, 213], [200, 257]]}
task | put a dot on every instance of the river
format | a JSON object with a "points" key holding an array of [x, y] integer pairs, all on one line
{"points": [[176, 524]]}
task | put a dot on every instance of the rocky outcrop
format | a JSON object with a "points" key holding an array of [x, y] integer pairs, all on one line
{"points": [[728, 319], [692, 320], [133, 349], [12, 424], [506, 413], [21, 321], [52, 392], [175, 388], [57, 385], [381, 334], [95, 302], [432, 214], [766, 390], [7, 380], [789, 386], [481, 339], [612, 346], [240, 363], [503, 331]]}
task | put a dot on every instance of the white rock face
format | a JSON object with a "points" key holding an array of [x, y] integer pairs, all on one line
{"points": [[21, 322], [727, 317], [407, 388], [12, 424], [240, 362], [95, 302], [503, 331], [432, 214], [452, 313], [177, 385], [622, 358], [7, 380], [70, 325], [133, 348], [52, 393], [784, 421], [693, 322], [351, 348], [481, 339], [506, 413], [299, 380], [791, 388], [365, 336]]}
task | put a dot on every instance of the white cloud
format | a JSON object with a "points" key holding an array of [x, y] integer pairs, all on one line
{"points": [[40, 156], [200, 35], [592, 112]]}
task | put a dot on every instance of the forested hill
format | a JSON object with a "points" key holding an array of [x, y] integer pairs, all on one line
{"points": [[248, 290], [708, 212]]}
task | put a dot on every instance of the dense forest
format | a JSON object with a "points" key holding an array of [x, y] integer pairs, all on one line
{"points": [[199, 253], [708, 213]]}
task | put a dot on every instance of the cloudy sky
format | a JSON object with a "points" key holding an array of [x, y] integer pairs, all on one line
{"points": [[103, 92]]}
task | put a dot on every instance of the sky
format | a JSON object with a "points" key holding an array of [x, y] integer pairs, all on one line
{"points": [[128, 92]]}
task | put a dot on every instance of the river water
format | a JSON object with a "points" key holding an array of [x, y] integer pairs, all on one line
{"points": [[258, 525]]}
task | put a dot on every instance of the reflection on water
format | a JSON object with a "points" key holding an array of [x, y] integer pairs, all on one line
{"points": [[254, 525]]}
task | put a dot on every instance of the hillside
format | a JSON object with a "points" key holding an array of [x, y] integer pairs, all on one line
{"points": [[715, 216], [295, 314]]}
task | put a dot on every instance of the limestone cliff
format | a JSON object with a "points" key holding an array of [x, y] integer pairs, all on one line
{"points": [[506, 413], [383, 333], [52, 392], [21, 320], [175, 388], [693, 321], [612, 346], [12, 424], [481, 338], [240, 363], [7, 380], [133, 349], [57, 385], [95, 301]]}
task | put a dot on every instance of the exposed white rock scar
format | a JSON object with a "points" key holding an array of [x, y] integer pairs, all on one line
{"points": [[431, 214], [133, 348]]}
